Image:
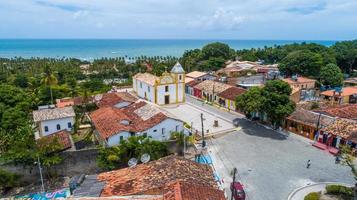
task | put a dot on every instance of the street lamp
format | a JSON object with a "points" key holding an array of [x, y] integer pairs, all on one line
{"points": [[203, 132], [40, 169]]}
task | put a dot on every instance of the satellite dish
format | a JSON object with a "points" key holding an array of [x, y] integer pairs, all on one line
{"points": [[145, 158], [98, 97], [132, 162]]}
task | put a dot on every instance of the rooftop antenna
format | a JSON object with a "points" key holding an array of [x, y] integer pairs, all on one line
{"points": [[132, 162], [145, 158]]}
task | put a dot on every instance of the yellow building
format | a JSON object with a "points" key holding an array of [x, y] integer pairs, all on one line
{"points": [[169, 88]]}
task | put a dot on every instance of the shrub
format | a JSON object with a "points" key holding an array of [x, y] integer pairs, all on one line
{"points": [[8, 180], [339, 190], [312, 196]]}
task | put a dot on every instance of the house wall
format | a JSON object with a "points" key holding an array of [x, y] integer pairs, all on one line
{"points": [[52, 125], [309, 85], [161, 93], [143, 88], [156, 132]]}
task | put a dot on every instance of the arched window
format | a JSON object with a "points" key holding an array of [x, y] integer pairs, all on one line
{"points": [[58, 127], [46, 128]]}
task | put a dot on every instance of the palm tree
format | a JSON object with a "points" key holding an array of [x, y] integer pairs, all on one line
{"points": [[49, 79]]}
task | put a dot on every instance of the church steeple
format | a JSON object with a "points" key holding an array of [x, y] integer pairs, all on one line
{"points": [[177, 69]]}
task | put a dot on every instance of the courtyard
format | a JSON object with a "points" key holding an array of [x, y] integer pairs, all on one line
{"points": [[270, 164]]}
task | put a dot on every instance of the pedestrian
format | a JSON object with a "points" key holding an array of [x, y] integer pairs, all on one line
{"points": [[308, 164]]}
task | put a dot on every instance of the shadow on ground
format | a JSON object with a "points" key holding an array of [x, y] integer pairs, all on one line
{"points": [[255, 129]]}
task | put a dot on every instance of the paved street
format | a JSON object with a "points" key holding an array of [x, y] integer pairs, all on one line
{"points": [[190, 112], [271, 165]]}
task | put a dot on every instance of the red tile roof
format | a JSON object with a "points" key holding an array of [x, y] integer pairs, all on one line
{"points": [[348, 111], [193, 83], [310, 118], [111, 99], [232, 93], [299, 80], [63, 138], [346, 91], [107, 120], [64, 102], [192, 191], [152, 178], [344, 128]]}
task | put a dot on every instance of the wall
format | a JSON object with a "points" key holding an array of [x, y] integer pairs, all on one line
{"points": [[115, 139], [74, 163], [169, 125], [150, 96], [52, 125], [161, 94]]}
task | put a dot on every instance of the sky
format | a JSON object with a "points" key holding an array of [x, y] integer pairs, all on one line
{"points": [[180, 19]]}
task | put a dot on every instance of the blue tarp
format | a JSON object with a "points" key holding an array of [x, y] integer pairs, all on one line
{"points": [[204, 159]]}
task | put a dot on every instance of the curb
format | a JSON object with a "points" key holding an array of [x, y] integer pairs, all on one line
{"points": [[292, 194]]}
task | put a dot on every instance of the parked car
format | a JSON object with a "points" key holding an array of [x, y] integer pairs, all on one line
{"points": [[236, 122], [237, 191]]}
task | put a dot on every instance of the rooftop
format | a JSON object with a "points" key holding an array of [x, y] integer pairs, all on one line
{"points": [[344, 128], [62, 137], [346, 91], [351, 80], [212, 86], [298, 80], [310, 118], [53, 113], [188, 79], [196, 74], [140, 116], [232, 93], [177, 68], [111, 99], [193, 83], [348, 111], [152, 178], [146, 78]]}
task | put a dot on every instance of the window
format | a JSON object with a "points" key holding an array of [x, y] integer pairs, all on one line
{"points": [[121, 138], [69, 125], [46, 128], [177, 128], [145, 134], [58, 127], [149, 88], [155, 131], [166, 88], [141, 85], [132, 134], [180, 77], [163, 131]]}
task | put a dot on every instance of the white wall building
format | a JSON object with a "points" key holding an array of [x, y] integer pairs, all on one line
{"points": [[166, 89], [139, 119], [52, 120]]}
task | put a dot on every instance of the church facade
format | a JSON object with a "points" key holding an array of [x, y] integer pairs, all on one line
{"points": [[169, 88]]}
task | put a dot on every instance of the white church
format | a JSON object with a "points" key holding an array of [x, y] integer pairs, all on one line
{"points": [[169, 88]]}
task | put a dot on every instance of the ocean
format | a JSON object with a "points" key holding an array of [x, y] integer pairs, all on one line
{"points": [[89, 49]]}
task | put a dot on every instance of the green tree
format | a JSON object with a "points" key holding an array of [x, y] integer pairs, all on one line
{"points": [[49, 79], [331, 75], [346, 55], [251, 101], [277, 104], [216, 50], [8, 180], [302, 62]]}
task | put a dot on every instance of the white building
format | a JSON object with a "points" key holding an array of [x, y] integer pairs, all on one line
{"points": [[139, 119], [166, 89], [53, 120]]}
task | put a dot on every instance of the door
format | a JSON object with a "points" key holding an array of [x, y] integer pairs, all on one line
{"points": [[167, 99]]}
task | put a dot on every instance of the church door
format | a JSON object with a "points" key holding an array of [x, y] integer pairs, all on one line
{"points": [[167, 99]]}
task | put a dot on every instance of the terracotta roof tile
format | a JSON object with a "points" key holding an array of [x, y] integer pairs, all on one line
{"points": [[299, 80], [152, 178], [140, 115], [196, 74], [193, 83], [146, 78], [210, 86], [232, 93], [62, 136], [346, 91], [192, 191], [348, 111], [344, 128], [111, 99], [310, 118]]}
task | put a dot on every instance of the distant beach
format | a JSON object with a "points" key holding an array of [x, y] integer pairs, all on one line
{"points": [[89, 49]]}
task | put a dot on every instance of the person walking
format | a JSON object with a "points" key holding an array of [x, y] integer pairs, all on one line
{"points": [[308, 164]]}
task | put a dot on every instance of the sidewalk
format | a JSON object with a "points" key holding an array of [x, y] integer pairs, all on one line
{"points": [[300, 193]]}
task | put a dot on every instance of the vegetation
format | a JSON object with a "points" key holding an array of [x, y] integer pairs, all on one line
{"points": [[8, 180], [331, 75], [340, 190], [273, 100], [348, 159], [134, 147], [312, 196]]}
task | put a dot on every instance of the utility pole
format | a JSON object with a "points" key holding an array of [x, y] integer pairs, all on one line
{"points": [[40, 169], [203, 132], [234, 180]]}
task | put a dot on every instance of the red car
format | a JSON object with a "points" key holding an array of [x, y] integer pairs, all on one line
{"points": [[237, 191]]}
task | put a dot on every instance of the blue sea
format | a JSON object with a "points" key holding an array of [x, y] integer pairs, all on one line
{"points": [[89, 49]]}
